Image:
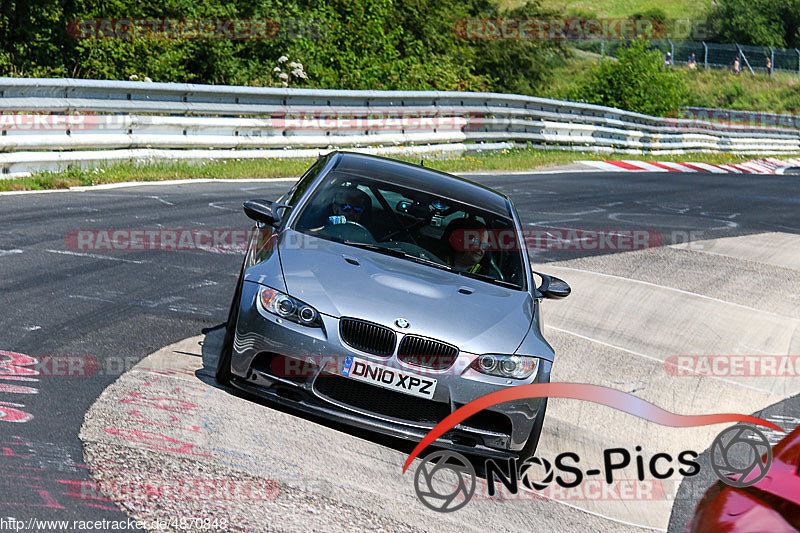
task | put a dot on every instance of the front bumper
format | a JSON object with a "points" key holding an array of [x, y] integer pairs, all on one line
{"points": [[315, 386]]}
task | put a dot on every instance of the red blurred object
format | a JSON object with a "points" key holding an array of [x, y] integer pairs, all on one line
{"points": [[771, 505]]}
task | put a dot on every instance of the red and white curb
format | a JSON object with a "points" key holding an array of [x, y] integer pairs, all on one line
{"points": [[756, 166]]}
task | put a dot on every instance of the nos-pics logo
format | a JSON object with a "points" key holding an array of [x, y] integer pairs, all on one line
{"points": [[445, 481]]}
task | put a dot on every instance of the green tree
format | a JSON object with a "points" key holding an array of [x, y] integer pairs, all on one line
{"points": [[756, 22], [637, 81], [360, 44]]}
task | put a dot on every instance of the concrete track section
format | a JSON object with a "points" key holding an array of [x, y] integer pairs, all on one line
{"points": [[629, 317]]}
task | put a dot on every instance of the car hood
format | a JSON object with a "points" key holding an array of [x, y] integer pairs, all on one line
{"points": [[341, 280]]}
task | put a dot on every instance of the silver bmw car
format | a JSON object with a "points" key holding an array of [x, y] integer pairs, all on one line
{"points": [[386, 295]]}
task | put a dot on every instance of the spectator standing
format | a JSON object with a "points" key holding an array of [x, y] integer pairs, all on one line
{"points": [[769, 66], [736, 65], [692, 62]]}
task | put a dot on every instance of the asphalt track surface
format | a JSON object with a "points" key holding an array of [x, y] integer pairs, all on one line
{"points": [[118, 307]]}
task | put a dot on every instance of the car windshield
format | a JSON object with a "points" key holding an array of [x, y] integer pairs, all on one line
{"points": [[416, 226]]}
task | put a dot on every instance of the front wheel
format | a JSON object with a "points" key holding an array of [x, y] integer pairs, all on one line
{"points": [[223, 374]]}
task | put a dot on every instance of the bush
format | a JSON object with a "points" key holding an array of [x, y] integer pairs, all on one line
{"points": [[638, 82]]}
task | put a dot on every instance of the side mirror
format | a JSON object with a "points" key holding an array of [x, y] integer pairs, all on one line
{"points": [[263, 211], [552, 287]]}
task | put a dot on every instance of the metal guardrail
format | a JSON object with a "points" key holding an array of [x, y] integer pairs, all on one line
{"points": [[49, 124]]}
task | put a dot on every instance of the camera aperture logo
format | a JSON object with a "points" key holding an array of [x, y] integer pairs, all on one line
{"points": [[445, 481], [740, 456]]}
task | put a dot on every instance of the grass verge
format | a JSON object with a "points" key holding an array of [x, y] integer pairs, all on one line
{"points": [[677, 9], [506, 160]]}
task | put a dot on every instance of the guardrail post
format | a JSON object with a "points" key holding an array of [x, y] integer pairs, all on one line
{"points": [[602, 48], [705, 55]]}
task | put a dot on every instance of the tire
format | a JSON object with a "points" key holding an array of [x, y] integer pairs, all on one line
{"points": [[533, 440], [223, 373]]}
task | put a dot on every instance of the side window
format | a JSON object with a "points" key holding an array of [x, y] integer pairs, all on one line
{"points": [[302, 185]]}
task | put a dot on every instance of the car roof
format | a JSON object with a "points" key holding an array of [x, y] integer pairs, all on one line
{"points": [[422, 178]]}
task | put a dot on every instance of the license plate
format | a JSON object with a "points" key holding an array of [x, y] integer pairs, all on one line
{"points": [[388, 378]]}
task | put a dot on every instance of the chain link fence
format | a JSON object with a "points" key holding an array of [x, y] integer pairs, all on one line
{"points": [[752, 59]]}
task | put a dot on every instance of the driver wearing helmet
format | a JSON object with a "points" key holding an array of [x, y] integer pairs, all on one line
{"points": [[349, 205]]}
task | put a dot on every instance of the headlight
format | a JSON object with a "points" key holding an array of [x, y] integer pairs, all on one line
{"points": [[507, 366], [289, 308]]}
